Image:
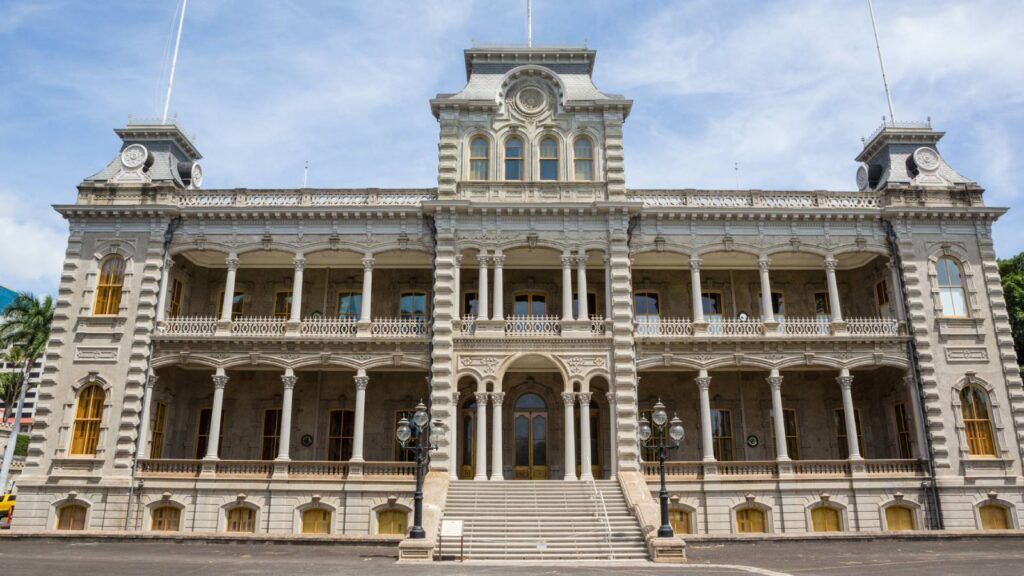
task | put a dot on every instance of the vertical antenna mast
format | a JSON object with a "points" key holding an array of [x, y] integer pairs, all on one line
{"points": [[529, 23], [881, 63], [305, 174], [174, 61]]}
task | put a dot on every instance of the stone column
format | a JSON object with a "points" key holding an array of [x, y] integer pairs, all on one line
{"points": [[569, 399], [707, 440], [767, 312], [566, 286], [607, 287], [229, 289], [586, 463], [581, 280], [695, 290], [778, 416], [358, 433], [453, 443], [498, 310], [457, 288], [143, 447], [833, 290], [497, 466], [613, 421], [220, 380], [165, 278], [481, 435], [366, 310], [845, 381], [288, 383], [481, 291], [296, 310]]}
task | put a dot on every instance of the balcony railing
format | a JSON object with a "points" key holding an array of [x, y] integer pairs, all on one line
{"points": [[804, 326], [273, 327], [533, 326], [755, 470], [653, 327], [188, 326], [400, 328], [262, 469], [328, 327], [659, 327], [598, 326], [873, 326], [258, 326], [735, 327]]}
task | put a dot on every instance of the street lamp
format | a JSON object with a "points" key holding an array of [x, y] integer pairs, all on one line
{"points": [[414, 436], [655, 438]]}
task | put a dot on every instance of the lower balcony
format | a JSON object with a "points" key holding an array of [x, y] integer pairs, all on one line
{"points": [[265, 469], [797, 469], [307, 329], [541, 326], [658, 327]]}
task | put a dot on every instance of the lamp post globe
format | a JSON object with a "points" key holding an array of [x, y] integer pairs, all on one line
{"points": [[675, 430], [404, 432], [659, 416], [421, 417], [645, 429]]}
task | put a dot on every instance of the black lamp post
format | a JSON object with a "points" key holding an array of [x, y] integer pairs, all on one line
{"points": [[656, 439], [421, 439]]}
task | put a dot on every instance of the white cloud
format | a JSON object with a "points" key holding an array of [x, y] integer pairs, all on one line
{"points": [[32, 243]]}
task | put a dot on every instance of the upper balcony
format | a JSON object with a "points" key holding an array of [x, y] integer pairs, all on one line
{"points": [[741, 295], [272, 294]]}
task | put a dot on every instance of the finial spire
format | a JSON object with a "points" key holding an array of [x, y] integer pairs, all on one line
{"points": [[881, 63], [174, 61], [529, 23]]}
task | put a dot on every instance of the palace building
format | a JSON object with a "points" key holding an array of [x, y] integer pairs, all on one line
{"points": [[238, 360]]}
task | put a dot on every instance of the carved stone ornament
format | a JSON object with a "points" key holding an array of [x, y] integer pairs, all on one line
{"points": [[862, 179], [134, 156], [530, 100], [486, 364], [927, 159]]}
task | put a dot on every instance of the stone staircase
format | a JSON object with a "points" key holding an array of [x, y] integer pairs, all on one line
{"points": [[542, 520]]}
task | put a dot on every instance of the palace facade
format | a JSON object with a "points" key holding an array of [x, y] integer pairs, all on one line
{"points": [[237, 360]]}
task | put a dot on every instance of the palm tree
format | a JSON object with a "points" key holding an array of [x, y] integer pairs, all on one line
{"points": [[10, 382], [25, 326]]}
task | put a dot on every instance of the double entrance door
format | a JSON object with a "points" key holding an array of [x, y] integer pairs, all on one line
{"points": [[531, 438]]}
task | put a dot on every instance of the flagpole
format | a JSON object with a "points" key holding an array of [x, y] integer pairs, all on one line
{"points": [[174, 61], [881, 63], [529, 23]]}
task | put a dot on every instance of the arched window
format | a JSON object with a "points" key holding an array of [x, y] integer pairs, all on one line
{"points": [[899, 518], [241, 519], [583, 158], [166, 519], [71, 517], [750, 521], [316, 521], [951, 287], [549, 159], [513, 159], [479, 158], [392, 521], [825, 519], [977, 421], [88, 416], [994, 517], [108, 289]]}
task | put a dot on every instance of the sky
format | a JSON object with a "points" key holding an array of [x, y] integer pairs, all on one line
{"points": [[786, 89]]}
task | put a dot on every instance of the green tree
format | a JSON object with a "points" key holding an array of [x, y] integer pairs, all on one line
{"points": [[1012, 271]]}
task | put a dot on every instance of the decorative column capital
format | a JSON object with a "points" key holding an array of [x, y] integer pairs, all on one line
{"points": [[368, 263], [497, 398], [499, 259], [830, 263], [581, 258], [775, 382], [481, 398], [610, 396], [695, 264], [763, 263], [151, 381], [455, 397], [567, 260], [482, 258], [458, 259], [220, 381], [845, 382], [585, 398], [232, 262], [569, 398], [300, 263], [289, 381], [361, 382], [703, 382]]}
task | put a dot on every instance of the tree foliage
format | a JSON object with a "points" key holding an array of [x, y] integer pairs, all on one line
{"points": [[1012, 271]]}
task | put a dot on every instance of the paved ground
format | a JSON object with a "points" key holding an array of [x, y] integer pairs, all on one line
{"points": [[986, 557]]}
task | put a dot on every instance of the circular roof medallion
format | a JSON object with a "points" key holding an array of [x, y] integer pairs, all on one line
{"points": [[197, 175], [926, 159], [134, 156], [862, 178], [531, 100]]}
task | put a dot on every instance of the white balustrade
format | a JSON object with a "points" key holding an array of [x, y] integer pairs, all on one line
{"points": [[804, 326], [294, 198], [400, 327], [755, 199], [328, 327], [821, 468], [258, 326], [169, 468], [467, 326], [598, 327], [193, 326], [873, 326], [244, 468], [735, 327], [895, 467], [317, 469], [747, 469], [653, 326], [390, 469], [533, 325]]}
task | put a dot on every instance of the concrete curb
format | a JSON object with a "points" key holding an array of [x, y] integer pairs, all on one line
{"points": [[924, 535], [205, 538]]}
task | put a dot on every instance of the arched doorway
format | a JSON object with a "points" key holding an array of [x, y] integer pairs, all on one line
{"points": [[530, 427]]}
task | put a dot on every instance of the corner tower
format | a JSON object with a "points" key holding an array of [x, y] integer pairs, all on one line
{"points": [[531, 118]]}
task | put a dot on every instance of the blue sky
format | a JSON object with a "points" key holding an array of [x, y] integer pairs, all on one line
{"points": [[785, 88]]}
